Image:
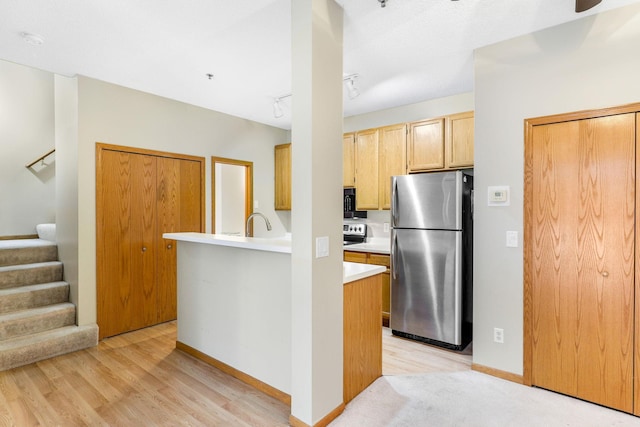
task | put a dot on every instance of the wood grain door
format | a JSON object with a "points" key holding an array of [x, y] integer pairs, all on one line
{"points": [[582, 258], [178, 210], [140, 196], [126, 242]]}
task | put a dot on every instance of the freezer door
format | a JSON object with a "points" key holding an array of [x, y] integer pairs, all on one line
{"points": [[428, 200], [426, 285]]}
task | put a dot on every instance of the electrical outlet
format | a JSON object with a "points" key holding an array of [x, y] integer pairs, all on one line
{"points": [[385, 227], [498, 335]]}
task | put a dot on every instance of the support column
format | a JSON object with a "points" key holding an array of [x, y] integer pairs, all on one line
{"points": [[316, 389]]}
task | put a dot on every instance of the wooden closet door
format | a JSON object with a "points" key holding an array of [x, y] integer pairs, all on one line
{"points": [[126, 250], [168, 222], [179, 199], [583, 213]]}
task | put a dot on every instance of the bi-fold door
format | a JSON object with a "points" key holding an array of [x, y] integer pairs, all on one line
{"points": [[580, 258], [140, 196]]}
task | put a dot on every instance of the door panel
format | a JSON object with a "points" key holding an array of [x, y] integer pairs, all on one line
{"points": [[168, 222], [426, 284], [583, 201], [126, 254], [429, 200]]}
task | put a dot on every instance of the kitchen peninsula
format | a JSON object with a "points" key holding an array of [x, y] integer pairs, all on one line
{"points": [[234, 310]]}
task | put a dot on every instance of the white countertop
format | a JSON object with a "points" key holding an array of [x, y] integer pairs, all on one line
{"points": [[377, 245], [278, 244], [351, 271]]}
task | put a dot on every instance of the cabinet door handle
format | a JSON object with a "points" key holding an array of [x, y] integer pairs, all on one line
{"points": [[144, 249], [605, 274], [169, 246]]}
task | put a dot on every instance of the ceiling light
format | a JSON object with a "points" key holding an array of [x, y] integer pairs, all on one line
{"points": [[31, 38], [351, 86], [383, 3]]}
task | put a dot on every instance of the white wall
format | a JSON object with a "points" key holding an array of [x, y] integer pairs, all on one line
{"points": [[26, 133], [586, 64], [116, 115]]}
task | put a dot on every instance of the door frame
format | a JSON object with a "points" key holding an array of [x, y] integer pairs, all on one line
{"points": [[248, 190], [529, 125]]}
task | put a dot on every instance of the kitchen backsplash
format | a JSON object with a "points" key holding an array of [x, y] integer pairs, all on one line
{"points": [[375, 223]]}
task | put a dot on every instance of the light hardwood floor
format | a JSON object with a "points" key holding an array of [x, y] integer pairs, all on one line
{"points": [[139, 378]]}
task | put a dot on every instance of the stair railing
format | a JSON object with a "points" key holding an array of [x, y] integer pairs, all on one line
{"points": [[41, 158]]}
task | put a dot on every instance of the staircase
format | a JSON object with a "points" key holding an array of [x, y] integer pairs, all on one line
{"points": [[37, 321]]}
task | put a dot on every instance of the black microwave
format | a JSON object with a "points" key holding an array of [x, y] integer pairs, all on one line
{"points": [[350, 205]]}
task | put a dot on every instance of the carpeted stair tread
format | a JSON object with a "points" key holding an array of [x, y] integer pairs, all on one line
{"points": [[27, 251], [36, 320], [21, 351], [32, 296], [30, 274]]}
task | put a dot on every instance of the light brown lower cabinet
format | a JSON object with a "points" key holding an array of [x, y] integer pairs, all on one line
{"points": [[362, 335], [376, 259]]}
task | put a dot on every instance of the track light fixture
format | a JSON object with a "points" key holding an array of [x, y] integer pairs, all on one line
{"points": [[349, 81], [383, 3], [277, 108], [352, 90]]}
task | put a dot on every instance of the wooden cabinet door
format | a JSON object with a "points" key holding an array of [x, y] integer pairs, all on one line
{"points": [[348, 160], [282, 174], [460, 140], [392, 160], [367, 170], [426, 145], [125, 243], [385, 260], [582, 258]]}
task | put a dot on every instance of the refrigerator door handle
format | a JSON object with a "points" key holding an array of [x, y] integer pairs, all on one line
{"points": [[394, 243], [394, 202]]}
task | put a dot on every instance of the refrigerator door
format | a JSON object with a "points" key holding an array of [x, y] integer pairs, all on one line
{"points": [[426, 284], [428, 200]]}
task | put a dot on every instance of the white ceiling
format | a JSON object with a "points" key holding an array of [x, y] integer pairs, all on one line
{"points": [[406, 52]]}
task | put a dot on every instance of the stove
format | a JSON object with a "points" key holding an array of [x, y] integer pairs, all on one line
{"points": [[353, 233]]}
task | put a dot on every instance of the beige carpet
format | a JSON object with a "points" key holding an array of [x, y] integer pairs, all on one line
{"points": [[470, 399]]}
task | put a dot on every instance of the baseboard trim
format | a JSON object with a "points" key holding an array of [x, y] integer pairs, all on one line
{"points": [[498, 373], [294, 422], [245, 378]]}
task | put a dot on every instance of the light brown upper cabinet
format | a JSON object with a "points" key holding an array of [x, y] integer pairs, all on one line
{"points": [[380, 154], [392, 160], [426, 145], [441, 143], [348, 160], [282, 185], [140, 195], [366, 161], [459, 140]]}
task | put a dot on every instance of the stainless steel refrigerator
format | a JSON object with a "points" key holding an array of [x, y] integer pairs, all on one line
{"points": [[431, 257]]}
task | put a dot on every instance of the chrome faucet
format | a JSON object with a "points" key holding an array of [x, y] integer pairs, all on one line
{"points": [[266, 221]]}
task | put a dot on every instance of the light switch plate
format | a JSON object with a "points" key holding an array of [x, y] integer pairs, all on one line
{"points": [[512, 239], [322, 246]]}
